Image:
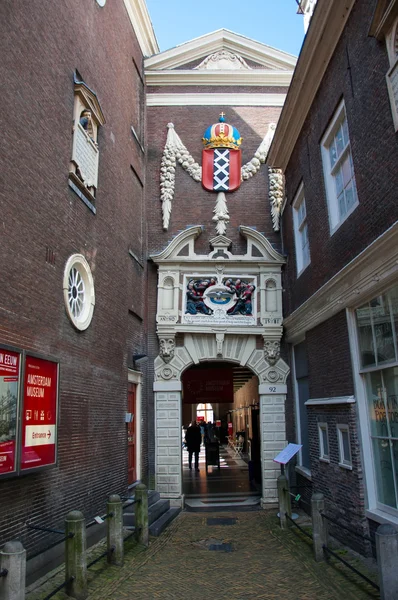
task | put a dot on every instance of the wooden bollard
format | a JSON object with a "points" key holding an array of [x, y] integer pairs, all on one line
{"points": [[319, 528], [284, 500], [115, 530], [13, 560], [75, 555], [141, 514]]}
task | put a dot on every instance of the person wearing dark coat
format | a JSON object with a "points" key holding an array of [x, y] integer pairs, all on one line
{"points": [[193, 439]]}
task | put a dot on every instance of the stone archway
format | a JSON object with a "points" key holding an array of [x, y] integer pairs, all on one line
{"points": [[231, 348]]}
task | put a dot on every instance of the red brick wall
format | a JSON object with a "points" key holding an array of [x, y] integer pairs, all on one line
{"points": [[43, 46], [356, 72], [192, 205], [329, 359]]}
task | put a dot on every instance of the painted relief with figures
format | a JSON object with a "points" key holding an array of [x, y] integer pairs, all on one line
{"points": [[230, 299]]}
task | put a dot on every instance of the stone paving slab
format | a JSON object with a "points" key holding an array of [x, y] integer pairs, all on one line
{"points": [[266, 563]]}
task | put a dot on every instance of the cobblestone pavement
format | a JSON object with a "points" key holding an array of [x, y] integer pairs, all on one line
{"points": [[264, 562]]}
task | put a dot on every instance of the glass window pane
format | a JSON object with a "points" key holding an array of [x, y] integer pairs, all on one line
{"points": [[339, 141], [346, 169], [345, 132], [349, 196], [325, 442], [342, 206], [332, 154], [377, 400], [339, 182], [384, 472], [383, 330], [365, 335], [346, 446], [392, 296], [391, 385]]}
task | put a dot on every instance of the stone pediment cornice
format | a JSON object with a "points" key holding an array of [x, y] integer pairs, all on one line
{"points": [[261, 242], [222, 39], [182, 239], [259, 250], [188, 77]]}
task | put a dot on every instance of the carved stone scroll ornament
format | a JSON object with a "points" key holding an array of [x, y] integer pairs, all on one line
{"points": [[174, 150], [223, 60], [220, 343], [272, 351], [167, 346], [260, 156], [221, 214], [276, 194]]}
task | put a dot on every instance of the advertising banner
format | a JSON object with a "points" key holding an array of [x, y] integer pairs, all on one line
{"points": [[9, 391], [208, 385], [39, 413]]}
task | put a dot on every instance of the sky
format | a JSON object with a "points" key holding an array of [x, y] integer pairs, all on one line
{"points": [[272, 22]]}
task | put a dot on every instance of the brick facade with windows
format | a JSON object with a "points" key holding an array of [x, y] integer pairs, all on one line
{"points": [[42, 217], [350, 264], [356, 73]]}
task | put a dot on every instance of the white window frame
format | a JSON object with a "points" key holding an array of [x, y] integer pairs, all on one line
{"points": [[302, 262], [375, 510], [78, 286], [392, 74], [323, 456], [343, 461], [300, 468], [335, 220]]}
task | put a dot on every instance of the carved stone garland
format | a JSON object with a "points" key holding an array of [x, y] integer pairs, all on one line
{"points": [[276, 194], [221, 214], [260, 156], [175, 150]]}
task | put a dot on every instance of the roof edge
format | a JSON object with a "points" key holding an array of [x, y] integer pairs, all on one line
{"points": [[326, 27], [139, 16], [211, 42]]}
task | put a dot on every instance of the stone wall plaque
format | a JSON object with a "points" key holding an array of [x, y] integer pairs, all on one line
{"points": [[85, 155]]}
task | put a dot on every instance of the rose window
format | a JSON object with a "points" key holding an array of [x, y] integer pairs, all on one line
{"points": [[79, 291]]}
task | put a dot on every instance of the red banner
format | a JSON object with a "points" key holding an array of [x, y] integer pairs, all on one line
{"points": [[39, 413], [9, 390], [208, 385]]}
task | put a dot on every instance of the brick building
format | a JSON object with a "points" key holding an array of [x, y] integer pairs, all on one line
{"points": [[115, 250], [336, 142], [73, 255], [199, 237]]}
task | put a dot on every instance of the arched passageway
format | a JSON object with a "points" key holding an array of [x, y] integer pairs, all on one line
{"points": [[223, 399]]}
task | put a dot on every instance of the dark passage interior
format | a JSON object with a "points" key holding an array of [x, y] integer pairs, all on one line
{"points": [[223, 400]]}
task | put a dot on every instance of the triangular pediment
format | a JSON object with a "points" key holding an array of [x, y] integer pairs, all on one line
{"points": [[245, 52]]}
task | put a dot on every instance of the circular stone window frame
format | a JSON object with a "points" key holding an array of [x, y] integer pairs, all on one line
{"points": [[80, 264]]}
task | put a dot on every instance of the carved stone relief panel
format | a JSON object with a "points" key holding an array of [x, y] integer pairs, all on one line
{"points": [[166, 348], [271, 298], [87, 118], [215, 299], [168, 297]]}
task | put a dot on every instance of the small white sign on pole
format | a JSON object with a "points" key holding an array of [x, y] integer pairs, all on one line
{"points": [[287, 453]]}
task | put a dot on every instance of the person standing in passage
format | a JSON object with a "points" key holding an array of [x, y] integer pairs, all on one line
{"points": [[193, 439]]}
